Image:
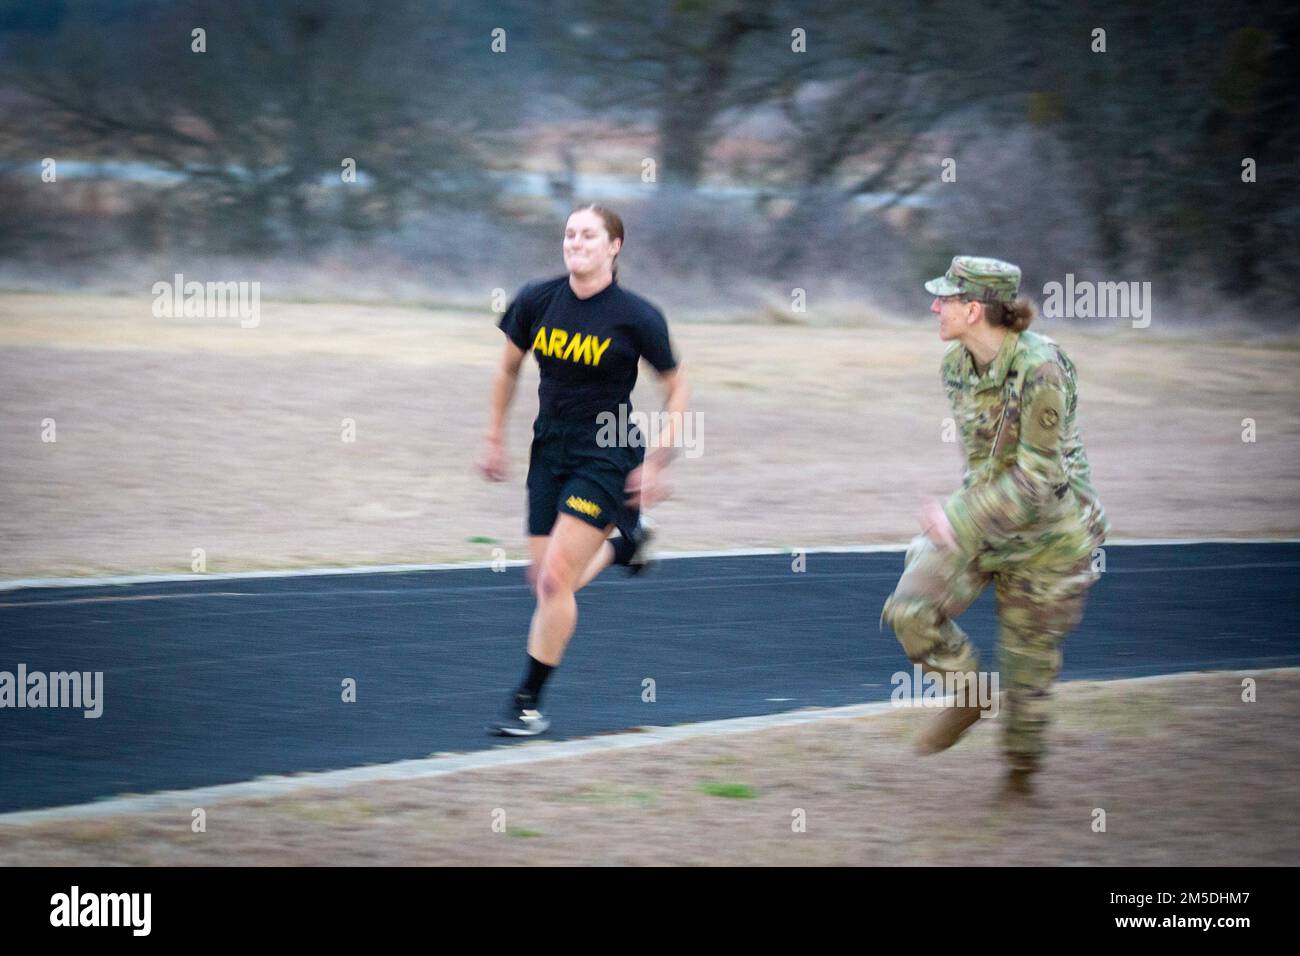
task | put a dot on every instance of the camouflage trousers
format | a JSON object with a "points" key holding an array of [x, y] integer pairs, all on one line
{"points": [[1037, 607]]}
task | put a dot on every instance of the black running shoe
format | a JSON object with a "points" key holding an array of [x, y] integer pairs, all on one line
{"points": [[641, 560], [519, 718]]}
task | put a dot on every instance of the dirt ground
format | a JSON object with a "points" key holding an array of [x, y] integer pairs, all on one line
{"points": [[1184, 770], [176, 434]]}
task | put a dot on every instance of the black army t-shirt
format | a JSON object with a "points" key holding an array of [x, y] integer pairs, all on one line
{"points": [[586, 349]]}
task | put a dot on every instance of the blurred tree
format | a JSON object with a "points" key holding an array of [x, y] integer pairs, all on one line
{"points": [[684, 63], [1254, 102], [877, 80], [1137, 150], [1158, 125], [260, 122]]}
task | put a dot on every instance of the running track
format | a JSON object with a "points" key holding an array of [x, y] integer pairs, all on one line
{"points": [[217, 681]]}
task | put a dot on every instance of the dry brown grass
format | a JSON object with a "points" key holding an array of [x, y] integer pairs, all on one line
{"points": [[1186, 773], [182, 433]]}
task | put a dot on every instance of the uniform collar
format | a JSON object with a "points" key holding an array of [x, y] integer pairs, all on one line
{"points": [[996, 373]]}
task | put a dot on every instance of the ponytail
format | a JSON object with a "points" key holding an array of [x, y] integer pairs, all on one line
{"points": [[1015, 316]]}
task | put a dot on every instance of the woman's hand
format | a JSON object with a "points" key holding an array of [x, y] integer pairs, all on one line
{"points": [[493, 463], [645, 485], [934, 522]]}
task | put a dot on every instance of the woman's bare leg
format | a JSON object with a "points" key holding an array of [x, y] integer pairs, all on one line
{"points": [[573, 546], [603, 559], [536, 551]]}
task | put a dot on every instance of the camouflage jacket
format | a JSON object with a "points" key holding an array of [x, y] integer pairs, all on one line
{"points": [[1027, 494]]}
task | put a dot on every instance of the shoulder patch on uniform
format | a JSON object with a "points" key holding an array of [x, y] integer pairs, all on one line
{"points": [[1041, 421]]}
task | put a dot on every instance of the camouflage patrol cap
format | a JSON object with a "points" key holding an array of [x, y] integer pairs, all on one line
{"points": [[985, 280]]}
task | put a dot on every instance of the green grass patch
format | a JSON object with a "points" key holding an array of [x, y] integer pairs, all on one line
{"points": [[733, 791]]}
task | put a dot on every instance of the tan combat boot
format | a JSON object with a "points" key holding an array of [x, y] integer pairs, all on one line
{"points": [[946, 727]]}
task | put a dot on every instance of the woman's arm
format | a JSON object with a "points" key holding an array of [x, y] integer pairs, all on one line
{"points": [[677, 399], [996, 511], [503, 390], [643, 484]]}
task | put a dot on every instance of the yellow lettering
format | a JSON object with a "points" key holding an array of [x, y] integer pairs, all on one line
{"points": [[557, 341], [540, 341], [583, 505], [579, 348]]}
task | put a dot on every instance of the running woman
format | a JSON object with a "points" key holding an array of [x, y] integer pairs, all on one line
{"points": [[588, 335], [1026, 519]]}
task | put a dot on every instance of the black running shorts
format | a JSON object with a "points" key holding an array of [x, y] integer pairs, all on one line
{"points": [[569, 473]]}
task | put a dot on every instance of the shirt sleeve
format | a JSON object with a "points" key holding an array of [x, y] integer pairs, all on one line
{"points": [[992, 512], [518, 319], [655, 345]]}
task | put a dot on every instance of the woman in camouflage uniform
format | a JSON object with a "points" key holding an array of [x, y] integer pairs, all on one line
{"points": [[1025, 519]]}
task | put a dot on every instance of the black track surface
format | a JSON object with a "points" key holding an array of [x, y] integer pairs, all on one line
{"points": [[225, 680]]}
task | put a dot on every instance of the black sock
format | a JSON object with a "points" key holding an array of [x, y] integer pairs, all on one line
{"points": [[535, 678], [624, 548]]}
